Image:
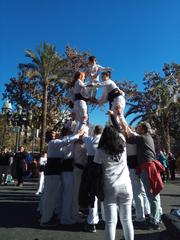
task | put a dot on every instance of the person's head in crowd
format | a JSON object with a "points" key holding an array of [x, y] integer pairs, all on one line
{"points": [[98, 130], [79, 76], [143, 128], [92, 60], [106, 75], [21, 149], [50, 135], [4, 149], [111, 142], [65, 131]]}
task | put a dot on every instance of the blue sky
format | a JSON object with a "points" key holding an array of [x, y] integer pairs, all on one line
{"points": [[131, 36]]}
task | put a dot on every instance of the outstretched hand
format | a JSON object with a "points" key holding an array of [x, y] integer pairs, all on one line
{"points": [[81, 132], [110, 112], [93, 100]]}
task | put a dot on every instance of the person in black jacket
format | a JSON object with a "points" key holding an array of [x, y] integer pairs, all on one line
{"points": [[4, 164], [20, 165]]}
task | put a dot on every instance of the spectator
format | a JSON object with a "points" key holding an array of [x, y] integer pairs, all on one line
{"points": [[4, 164], [20, 165], [172, 165], [111, 153]]}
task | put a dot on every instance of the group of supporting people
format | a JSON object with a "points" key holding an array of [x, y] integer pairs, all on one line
{"points": [[84, 169]]}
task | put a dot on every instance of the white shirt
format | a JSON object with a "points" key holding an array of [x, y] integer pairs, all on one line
{"points": [[108, 86], [68, 151], [95, 70], [91, 143], [55, 146], [43, 160], [80, 88], [80, 154], [114, 171], [131, 149]]}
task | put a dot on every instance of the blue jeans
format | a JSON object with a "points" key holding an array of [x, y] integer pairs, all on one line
{"points": [[153, 200]]}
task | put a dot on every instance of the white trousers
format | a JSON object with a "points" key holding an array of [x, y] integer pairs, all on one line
{"points": [[141, 201], [81, 114], [77, 173], [67, 197], [122, 199], [51, 200], [119, 102], [41, 182], [93, 216]]}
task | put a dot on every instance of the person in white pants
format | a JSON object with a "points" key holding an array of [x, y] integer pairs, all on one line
{"points": [[42, 162], [52, 183], [93, 71], [141, 202], [81, 96], [112, 94], [111, 153], [80, 161], [67, 179], [91, 144]]}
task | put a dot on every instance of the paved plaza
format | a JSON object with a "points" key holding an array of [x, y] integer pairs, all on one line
{"points": [[19, 219]]}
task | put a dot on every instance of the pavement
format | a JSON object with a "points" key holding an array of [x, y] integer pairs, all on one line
{"points": [[19, 219]]}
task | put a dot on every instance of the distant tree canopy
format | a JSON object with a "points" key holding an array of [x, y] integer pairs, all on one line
{"points": [[158, 103], [43, 83]]}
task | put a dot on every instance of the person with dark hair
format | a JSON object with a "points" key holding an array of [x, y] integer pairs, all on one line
{"points": [[81, 96], [91, 144], [93, 72], [111, 153], [4, 164], [67, 179], [172, 165], [52, 172], [112, 94], [20, 165], [148, 169]]}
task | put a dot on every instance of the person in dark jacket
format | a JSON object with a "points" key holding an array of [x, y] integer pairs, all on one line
{"points": [[20, 165], [4, 164]]}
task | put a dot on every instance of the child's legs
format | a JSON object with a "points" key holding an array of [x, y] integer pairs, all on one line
{"points": [[80, 108]]}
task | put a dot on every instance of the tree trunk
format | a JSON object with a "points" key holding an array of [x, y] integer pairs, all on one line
{"points": [[44, 118]]}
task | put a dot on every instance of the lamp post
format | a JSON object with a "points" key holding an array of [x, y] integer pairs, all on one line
{"points": [[22, 118], [6, 112]]}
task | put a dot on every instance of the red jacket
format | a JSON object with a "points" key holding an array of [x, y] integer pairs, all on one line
{"points": [[153, 170]]}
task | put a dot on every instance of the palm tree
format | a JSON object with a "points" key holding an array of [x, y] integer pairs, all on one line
{"points": [[45, 70]]}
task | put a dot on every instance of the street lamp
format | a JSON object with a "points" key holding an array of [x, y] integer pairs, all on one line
{"points": [[6, 107], [21, 118], [6, 112]]}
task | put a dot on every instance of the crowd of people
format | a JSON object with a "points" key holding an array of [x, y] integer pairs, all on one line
{"points": [[106, 170]]}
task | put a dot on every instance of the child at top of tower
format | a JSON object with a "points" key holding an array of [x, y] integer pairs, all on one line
{"points": [[94, 71]]}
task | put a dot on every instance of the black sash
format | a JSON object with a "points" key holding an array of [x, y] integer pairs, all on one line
{"points": [[67, 165], [78, 96], [90, 159], [80, 166], [112, 95], [53, 166]]}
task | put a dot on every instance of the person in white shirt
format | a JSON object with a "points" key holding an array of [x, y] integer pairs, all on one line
{"points": [[94, 71], [81, 96], [113, 94], [52, 181], [67, 179], [111, 153], [91, 144]]}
